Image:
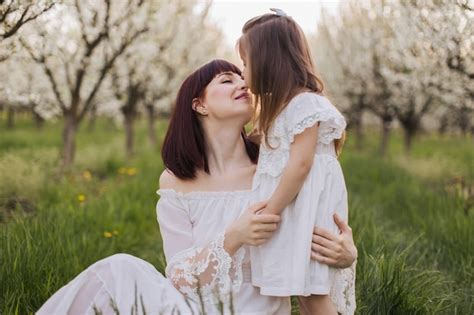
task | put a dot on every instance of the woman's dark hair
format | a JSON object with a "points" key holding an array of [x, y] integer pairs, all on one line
{"points": [[184, 147]]}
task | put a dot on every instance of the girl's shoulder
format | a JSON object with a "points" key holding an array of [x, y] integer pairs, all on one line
{"points": [[305, 100], [308, 107]]}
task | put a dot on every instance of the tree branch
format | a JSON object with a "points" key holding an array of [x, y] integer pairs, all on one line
{"points": [[3, 15], [90, 48], [81, 21], [43, 62], [23, 20], [106, 68], [426, 106]]}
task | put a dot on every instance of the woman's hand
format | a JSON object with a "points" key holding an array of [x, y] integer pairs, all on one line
{"points": [[250, 228], [334, 250]]}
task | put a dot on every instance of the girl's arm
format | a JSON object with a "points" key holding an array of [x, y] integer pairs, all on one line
{"points": [[302, 152]]}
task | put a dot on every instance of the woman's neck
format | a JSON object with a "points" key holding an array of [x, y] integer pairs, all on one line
{"points": [[225, 148]]}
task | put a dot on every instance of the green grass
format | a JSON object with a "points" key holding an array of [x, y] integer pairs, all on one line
{"points": [[413, 233]]}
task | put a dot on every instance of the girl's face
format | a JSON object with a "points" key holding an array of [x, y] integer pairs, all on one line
{"points": [[246, 70], [246, 74], [226, 97]]}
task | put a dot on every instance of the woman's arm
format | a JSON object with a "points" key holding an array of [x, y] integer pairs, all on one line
{"points": [[197, 270], [215, 266], [302, 152], [337, 251]]}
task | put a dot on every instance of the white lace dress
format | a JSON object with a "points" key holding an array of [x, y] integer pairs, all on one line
{"points": [[201, 276], [282, 266]]}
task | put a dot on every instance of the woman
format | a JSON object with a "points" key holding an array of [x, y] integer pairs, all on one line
{"points": [[210, 166]]}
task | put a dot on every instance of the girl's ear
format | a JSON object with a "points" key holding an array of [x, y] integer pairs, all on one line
{"points": [[199, 107]]}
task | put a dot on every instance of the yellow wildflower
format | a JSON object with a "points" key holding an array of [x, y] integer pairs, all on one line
{"points": [[102, 189], [122, 170], [87, 175], [107, 234], [81, 198], [131, 171]]}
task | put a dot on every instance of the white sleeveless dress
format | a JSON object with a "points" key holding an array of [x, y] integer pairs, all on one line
{"points": [[282, 266]]}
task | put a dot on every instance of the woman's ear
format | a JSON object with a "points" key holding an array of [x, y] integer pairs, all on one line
{"points": [[199, 107]]}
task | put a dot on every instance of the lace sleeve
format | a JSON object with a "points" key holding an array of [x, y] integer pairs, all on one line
{"points": [[202, 273], [306, 110], [206, 272], [343, 290]]}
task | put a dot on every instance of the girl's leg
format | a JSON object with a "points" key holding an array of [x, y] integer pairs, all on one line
{"points": [[319, 305], [302, 306]]}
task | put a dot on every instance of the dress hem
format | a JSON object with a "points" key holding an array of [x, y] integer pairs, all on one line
{"points": [[281, 292]]}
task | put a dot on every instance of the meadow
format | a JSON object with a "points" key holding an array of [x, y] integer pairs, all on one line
{"points": [[412, 216]]}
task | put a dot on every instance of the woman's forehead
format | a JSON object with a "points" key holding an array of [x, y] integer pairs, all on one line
{"points": [[224, 73], [215, 80]]}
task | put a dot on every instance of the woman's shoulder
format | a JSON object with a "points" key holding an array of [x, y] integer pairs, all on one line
{"points": [[204, 182], [168, 180]]}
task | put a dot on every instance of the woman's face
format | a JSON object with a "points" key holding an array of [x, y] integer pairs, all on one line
{"points": [[226, 97]]}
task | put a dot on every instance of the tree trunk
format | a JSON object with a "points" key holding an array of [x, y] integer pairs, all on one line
{"points": [[128, 124], [386, 128], [39, 121], [69, 141], [10, 117], [129, 111], [409, 134], [151, 126], [2, 107], [411, 124], [358, 123], [443, 125], [359, 133], [111, 124], [464, 121], [91, 125]]}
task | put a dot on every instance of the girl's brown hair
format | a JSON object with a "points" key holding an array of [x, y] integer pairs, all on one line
{"points": [[279, 59]]}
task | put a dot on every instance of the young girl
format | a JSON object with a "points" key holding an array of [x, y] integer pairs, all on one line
{"points": [[298, 171]]}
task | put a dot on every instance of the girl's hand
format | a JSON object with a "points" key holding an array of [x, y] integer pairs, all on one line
{"points": [[251, 228], [334, 250]]}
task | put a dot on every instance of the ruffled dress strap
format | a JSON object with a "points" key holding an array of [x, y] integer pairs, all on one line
{"points": [[307, 109]]}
